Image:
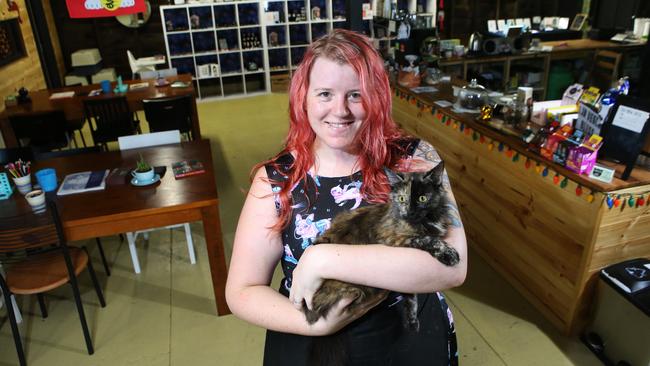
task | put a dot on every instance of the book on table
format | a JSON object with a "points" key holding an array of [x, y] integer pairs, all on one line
{"points": [[83, 182], [186, 168]]}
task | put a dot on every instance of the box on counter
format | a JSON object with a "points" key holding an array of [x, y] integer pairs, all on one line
{"points": [[582, 158], [550, 145], [563, 114], [540, 110]]}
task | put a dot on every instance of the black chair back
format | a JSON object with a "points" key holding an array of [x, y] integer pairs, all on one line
{"points": [[109, 118], [167, 114], [70, 152], [43, 131], [9, 155]]}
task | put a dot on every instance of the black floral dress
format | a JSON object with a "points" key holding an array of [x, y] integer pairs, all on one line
{"points": [[377, 338]]}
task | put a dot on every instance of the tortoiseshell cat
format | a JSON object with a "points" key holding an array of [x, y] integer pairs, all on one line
{"points": [[416, 216]]}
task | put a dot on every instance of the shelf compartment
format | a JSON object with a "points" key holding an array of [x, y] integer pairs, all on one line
{"points": [[225, 15], [276, 7], [208, 66], [228, 40], [297, 54], [179, 44], [204, 42], [232, 85], [318, 10], [230, 63], [253, 61], [255, 83], [210, 88], [248, 14], [251, 38], [318, 30], [338, 10], [184, 65], [298, 34], [279, 58], [297, 11], [176, 20], [277, 35], [201, 17]]}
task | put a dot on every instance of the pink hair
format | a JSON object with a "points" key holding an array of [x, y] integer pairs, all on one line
{"points": [[377, 137]]}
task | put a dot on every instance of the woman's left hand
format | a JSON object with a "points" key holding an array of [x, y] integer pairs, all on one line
{"points": [[306, 278], [414, 165]]}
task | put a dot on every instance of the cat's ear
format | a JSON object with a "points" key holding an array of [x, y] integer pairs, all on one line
{"points": [[393, 177], [436, 173]]}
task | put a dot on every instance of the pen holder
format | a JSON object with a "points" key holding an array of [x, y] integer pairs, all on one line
{"points": [[46, 179], [24, 184]]}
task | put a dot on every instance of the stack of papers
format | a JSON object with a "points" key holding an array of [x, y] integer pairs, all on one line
{"points": [[83, 182], [60, 95]]}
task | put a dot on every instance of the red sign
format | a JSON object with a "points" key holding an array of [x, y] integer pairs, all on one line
{"points": [[104, 8]]}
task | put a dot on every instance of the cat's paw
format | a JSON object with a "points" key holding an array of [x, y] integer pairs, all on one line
{"points": [[311, 316], [422, 241], [448, 255]]}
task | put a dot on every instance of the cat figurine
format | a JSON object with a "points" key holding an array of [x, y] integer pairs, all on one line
{"points": [[416, 216]]}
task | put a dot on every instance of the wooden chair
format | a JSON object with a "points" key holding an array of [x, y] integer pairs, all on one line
{"points": [[110, 118], [37, 259], [604, 70], [38, 156], [165, 114], [144, 140], [43, 131]]}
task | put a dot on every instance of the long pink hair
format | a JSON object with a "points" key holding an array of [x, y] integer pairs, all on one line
{"points": [[378, 135]]}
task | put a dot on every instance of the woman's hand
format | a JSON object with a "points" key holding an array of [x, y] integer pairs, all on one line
{"points": [[414, 165], [339, 316], [306, 278]]}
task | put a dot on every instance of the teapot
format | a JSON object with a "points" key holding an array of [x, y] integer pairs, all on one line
{"points": [[475, 44]]}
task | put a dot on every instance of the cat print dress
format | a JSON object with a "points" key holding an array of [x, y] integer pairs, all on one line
{"points": [[377, 338]]}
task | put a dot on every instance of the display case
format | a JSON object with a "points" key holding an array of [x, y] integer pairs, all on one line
{"points": [[220, 44], [236, 48]]}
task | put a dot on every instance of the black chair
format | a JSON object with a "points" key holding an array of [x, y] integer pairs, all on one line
{"points": [[38, 156], [37, 259], [166, 114], [110, 118], [43, 131], [10, 155]]}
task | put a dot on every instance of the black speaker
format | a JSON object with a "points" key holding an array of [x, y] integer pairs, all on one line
{"points": [[496, 46]]}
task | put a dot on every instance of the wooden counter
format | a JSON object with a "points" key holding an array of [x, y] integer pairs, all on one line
{"points": [[537, 231]]}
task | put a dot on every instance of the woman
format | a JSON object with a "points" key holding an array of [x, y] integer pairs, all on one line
{"points": [[340, 139]]}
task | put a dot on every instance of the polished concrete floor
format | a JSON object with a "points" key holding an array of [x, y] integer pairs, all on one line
{"points": [[166, 315]]}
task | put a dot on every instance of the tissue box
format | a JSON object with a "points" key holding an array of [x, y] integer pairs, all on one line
{"points": [[85, 57], [104, 74], [582, 158]]}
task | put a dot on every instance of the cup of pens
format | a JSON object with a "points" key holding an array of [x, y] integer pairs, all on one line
{"points": [[21, 175]]}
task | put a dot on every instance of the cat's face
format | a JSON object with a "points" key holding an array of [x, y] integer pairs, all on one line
{"points": [[415, 195]]}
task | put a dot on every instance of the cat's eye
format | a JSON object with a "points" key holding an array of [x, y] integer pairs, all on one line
{"points": [[401, 199], [423, 198]]}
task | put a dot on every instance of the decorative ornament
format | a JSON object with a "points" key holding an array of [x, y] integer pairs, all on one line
{"points": [[545, 172], [564, 182], [486, 113], [475, 136], [490, 146], [640, 201], [462, 127], [482, 139], [617, 201], [556, 179], [630, 202], [510, 152], [610, 202], [528, 163], [579, 190], [538, 168], [501, 146], [590, 197]]}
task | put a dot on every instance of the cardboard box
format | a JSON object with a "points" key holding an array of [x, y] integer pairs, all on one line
{"points": [[280, 83]]}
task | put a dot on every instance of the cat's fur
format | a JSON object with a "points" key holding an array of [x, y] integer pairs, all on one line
{"points": [[416, 216]]}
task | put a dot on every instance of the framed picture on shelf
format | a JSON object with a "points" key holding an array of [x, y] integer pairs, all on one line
{"points": [[578, 22], [223, 44]]}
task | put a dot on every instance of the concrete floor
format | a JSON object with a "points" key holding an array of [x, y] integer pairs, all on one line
{"points": [[166, 315]]}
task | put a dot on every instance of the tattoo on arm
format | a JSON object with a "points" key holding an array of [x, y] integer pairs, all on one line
{"points": [[427, 152], [454, 215]]}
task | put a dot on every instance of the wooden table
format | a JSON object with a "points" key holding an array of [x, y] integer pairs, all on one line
{"points": [[122, 208], [73, 107], [541, 235]]}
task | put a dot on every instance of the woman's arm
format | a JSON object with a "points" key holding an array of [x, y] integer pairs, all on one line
{"points": [[256, 252], [398, 269]]}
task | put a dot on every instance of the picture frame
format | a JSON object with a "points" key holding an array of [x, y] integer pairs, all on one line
{"points": [[625, 131], [578, 22]]}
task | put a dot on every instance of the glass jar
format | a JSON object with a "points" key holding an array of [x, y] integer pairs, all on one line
{"points": [[472, 96]]}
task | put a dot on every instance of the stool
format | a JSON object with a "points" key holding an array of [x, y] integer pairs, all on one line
{"points": [[104, 74]]}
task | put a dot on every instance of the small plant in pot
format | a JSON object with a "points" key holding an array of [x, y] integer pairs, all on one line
{"points": [[143, 172]]}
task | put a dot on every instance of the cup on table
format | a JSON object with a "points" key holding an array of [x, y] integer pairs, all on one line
{"points": [[46, 179], [143, 176], [24, 184], [106, 86], [36, 199]]}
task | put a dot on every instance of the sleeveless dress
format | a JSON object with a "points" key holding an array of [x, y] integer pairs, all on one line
{"points": [[378, 337]]}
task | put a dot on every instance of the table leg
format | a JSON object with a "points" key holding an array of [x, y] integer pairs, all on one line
{"points": [[196, 129], [216, 256]]}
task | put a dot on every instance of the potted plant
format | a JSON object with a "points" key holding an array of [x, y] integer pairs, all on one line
{"points": [[143, 171]]}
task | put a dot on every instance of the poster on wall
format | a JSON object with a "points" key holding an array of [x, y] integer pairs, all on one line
{"points": [[104, 8]]}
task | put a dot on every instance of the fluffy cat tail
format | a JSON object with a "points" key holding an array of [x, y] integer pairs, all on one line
{"points": [[329, 350]]}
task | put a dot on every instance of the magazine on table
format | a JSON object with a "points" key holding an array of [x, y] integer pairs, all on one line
{"points": [[186, 168], [83, 182]]}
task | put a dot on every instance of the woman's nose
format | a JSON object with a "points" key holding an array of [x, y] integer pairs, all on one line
{"points": [[340, 107]]}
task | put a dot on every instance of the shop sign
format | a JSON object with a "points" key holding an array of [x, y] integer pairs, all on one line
{"points": [[104, 8]]}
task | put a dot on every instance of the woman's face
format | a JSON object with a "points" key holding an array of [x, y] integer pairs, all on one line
{"points": [[334, 107]]}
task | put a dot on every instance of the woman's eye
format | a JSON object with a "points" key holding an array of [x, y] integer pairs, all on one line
{"points": [[423, 198], [355, 96], [401, 199]]}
